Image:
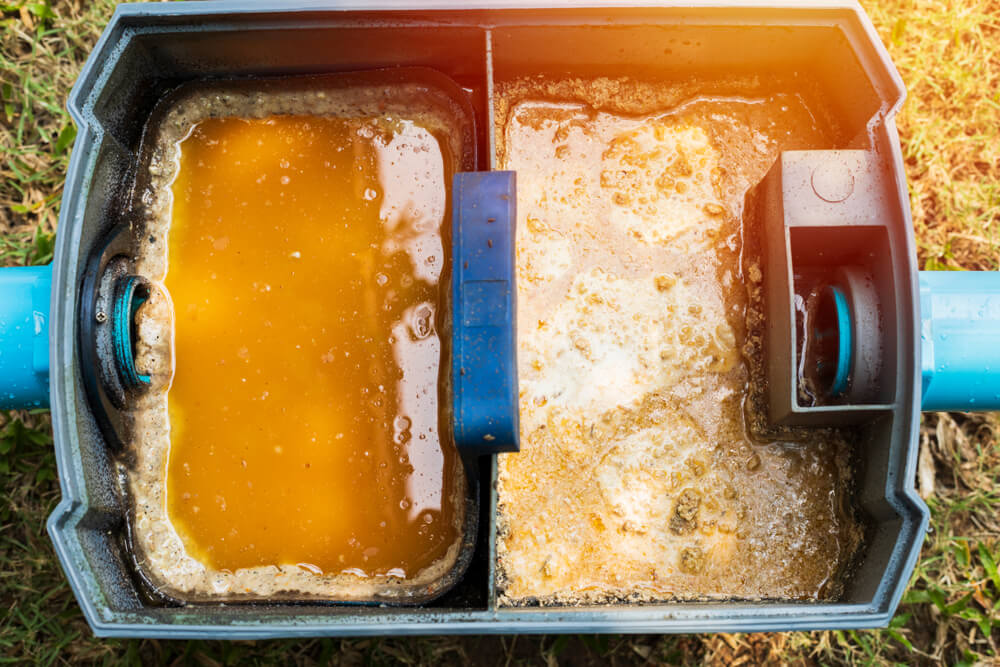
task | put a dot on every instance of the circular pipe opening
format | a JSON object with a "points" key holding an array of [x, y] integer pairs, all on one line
{"points": [[133, 291], [830, 342]]}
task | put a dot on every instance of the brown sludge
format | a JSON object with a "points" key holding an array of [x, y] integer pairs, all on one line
{"points": [[637, 478]]}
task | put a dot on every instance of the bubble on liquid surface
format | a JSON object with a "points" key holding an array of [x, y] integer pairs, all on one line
{"points": [[421, 322]]}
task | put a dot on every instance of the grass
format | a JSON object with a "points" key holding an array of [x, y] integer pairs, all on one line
{"points": [[949, 56]]}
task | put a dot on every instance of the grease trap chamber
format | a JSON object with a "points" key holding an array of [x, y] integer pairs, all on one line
{"points": [[851, 334]]}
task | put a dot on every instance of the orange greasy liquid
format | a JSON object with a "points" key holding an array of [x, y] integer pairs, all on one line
{"points": [[304, 260]]}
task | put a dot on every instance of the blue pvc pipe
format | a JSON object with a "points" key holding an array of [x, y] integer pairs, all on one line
{"points": [[960, 340], [25, 295]]}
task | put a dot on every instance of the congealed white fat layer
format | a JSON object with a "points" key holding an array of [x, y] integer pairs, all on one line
{"points": [[639, 480], [613, 340], [636, 479], [546, 259], [633, 459], [661, 180]]}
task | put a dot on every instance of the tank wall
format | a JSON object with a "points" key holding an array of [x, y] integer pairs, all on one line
{"points": [[158, 52]]}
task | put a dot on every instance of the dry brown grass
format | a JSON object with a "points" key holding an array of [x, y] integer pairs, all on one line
{"points": [[948, 54]]}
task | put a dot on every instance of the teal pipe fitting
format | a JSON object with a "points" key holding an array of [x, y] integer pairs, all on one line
{"points": [[25, 296], [829, 353], [960, 340], [131, 293]]}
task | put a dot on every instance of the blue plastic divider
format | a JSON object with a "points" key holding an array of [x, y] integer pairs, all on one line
{"points": [[484, 309]]}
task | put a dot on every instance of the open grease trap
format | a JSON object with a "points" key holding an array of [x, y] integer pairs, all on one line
{"points": [[414, 320]]}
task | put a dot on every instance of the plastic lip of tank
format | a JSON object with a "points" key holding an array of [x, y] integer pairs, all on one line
{"points": [[148, 49]]}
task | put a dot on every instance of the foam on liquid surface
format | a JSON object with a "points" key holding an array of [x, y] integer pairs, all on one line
{"points": [[636, 476]]}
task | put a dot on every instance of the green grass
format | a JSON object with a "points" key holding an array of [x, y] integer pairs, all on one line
{"points": [[949, 56]]}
